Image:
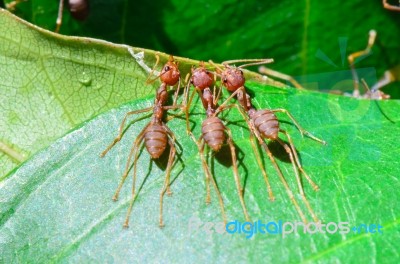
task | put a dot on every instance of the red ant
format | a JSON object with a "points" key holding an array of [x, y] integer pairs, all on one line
{"points": [[155, 135], [213, 132], [264, 125], [79, 10]]}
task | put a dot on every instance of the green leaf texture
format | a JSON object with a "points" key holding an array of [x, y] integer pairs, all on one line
{"points": [[51, 83], [57, 206]]}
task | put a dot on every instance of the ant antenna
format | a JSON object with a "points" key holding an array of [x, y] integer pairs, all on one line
{"points": [[148, 81], [364, 83], [250, 62], [215, 66]]}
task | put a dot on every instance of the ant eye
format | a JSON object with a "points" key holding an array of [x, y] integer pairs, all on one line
{"points": [[166, 68], [225, 80], [241, 72]]}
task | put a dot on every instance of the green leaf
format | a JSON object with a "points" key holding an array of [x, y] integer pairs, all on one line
{"points": [[57, 206], [51, 83]]}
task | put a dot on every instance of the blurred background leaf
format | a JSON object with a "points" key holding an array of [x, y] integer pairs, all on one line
{"points": [[51, 83], [292, 33]]}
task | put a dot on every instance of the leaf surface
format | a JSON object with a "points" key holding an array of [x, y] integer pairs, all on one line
{"points": [[51, 83], [57, 206]]}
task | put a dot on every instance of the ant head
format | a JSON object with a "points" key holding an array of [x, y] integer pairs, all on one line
{"points": [[201, 77], [170, 73], [232, 78]]}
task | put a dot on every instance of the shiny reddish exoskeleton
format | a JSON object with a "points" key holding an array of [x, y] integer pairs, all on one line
{"points": [[263, 125], [156, 136], [212, 128]]}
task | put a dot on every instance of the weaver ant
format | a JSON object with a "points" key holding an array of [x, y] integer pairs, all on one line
{"points": [[155, 135], [264, 125], [213, 132], [79, 10]]}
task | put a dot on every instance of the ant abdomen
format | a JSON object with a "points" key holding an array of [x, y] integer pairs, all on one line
{"points": [[266, 123], [79, 9], [155, 139], [212, 131]]}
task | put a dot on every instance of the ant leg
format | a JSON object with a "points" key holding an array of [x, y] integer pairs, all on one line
{"points": [[302, 130], [236, 173], [223, 106], [121, 129], [282, 178], [206, 169], [128, 213], [220, 201], [176, 93], [352, 57], [303, 196], [186, 90], [217, 95], [173, 139], [165, 188], [59, 16], [187, 109], [310, 181], [261, 165], [134, 148], [389, 76], [148, 81], [255, 150], [279, 75], [209, 177]]}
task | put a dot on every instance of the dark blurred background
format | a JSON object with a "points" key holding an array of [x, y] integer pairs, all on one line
{"points": [[306, 38]]}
